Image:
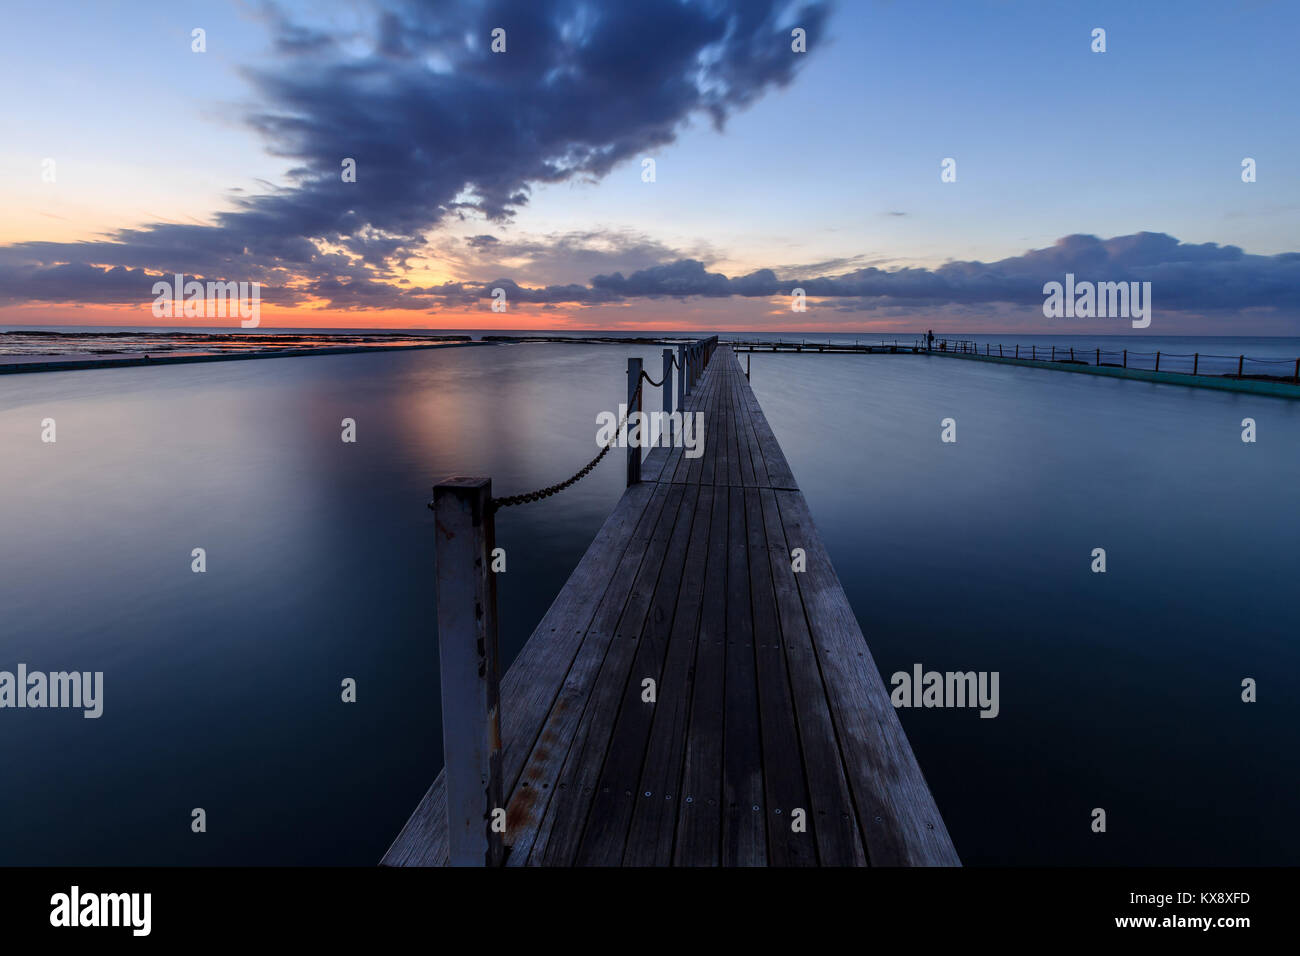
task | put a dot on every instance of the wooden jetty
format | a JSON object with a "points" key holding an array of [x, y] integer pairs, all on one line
{"points": [[769, 738]]}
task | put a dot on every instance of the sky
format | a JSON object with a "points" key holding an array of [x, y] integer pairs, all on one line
{"points": [[129, 156]]}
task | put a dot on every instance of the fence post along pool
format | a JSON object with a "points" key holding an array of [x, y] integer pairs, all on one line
{"points": [[1259, 375], [699, 693]]}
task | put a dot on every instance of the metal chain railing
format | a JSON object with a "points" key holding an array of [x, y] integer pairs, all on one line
{"points": [[540, 493], [634, 404]]}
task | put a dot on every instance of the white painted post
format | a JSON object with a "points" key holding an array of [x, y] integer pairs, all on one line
{"points": [[667, 392], [466, 596], [634, 404]]}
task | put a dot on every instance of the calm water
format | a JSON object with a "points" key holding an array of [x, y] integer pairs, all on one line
{"points": [[222, 689], [1118, 690]]}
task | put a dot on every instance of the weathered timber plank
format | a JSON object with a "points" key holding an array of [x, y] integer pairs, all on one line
{"points": [[783, 774], [699, 826], [743, 829], [831, 819], [557, 840], [897, 816], [779, 474], [748, 476], [654, 819], [535, 787], [618, 788]]}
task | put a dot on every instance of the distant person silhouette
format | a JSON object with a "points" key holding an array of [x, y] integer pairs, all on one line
{"points": [[929, 339]]}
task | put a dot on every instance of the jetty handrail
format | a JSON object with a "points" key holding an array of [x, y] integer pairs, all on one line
{"points": [[697, 352], [1080, 355], [465, 593], [1240, 366]]}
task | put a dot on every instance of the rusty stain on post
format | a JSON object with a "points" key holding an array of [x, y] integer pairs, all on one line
{"points": [[465, 592]]}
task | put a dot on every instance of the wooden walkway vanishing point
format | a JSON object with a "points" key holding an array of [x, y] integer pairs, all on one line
{"points": [[767, 699]]}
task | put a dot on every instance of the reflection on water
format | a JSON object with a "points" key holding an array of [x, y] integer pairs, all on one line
{"points": [[222, 690]]}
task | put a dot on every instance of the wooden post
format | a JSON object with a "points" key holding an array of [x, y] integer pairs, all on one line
{"points": [[1196, 361], [1033, 353], [999, 350], [1240, 362], [1071, 353], [1297, 370], [1157, 360], [1053, 353], [1126, 358], [667, 392], [633, 405], [747, 358], [683, 388], [1098, 358], [466, 595], [1017, 350]]}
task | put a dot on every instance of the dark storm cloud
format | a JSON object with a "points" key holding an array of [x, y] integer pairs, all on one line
{"points": [[439, 125], [1184, 276]]}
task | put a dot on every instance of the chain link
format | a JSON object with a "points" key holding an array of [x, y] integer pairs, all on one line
{"points": [[540, 493]]}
